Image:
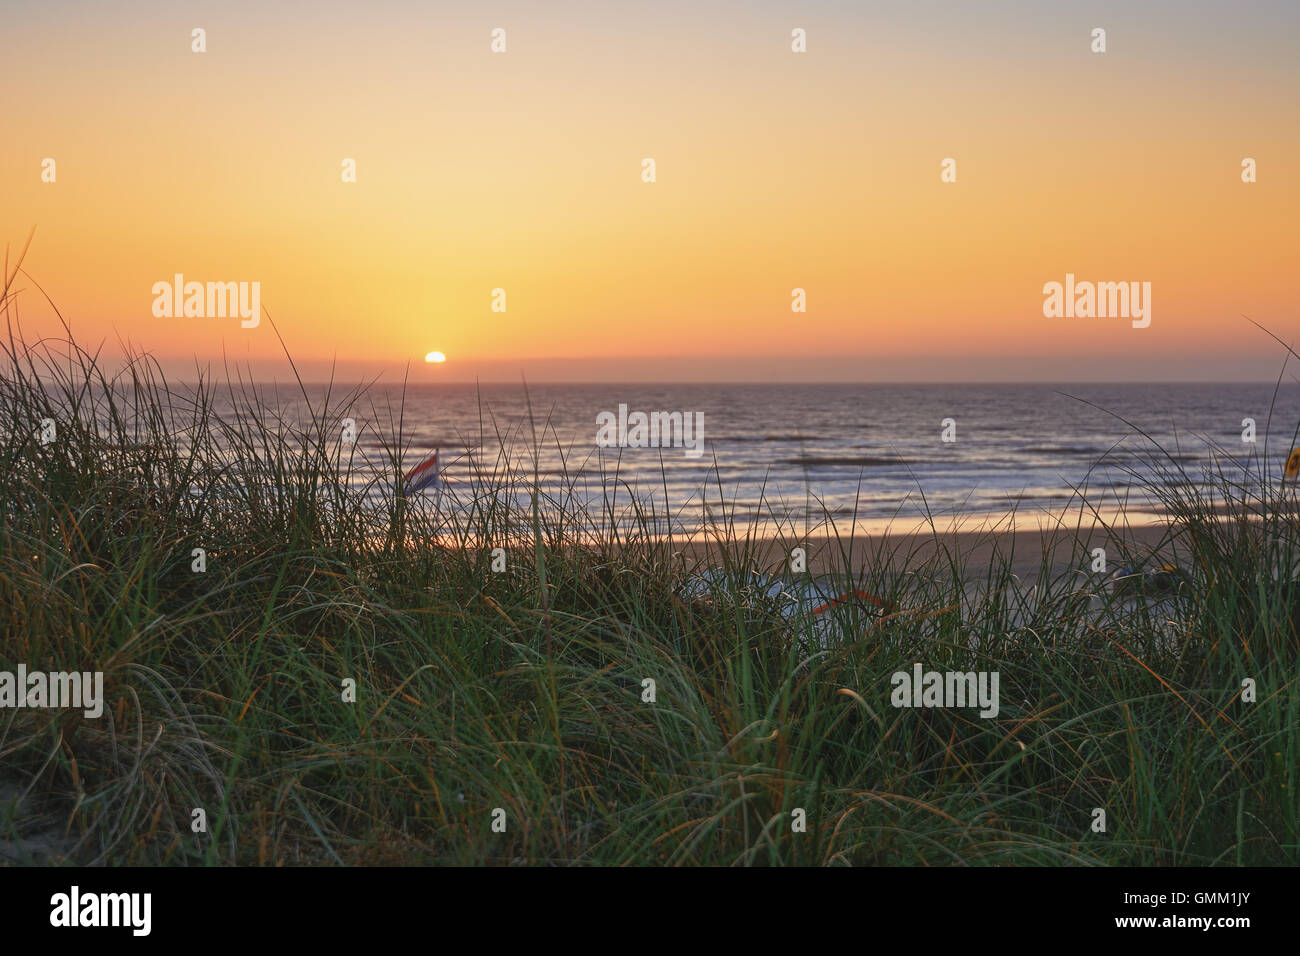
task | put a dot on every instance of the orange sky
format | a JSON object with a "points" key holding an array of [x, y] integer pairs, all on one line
{"points": [[775, 170]]}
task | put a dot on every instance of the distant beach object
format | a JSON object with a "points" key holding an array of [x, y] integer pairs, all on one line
{"points": [[422, 475], [1293, 465], [1165, 579], [855, 593]]}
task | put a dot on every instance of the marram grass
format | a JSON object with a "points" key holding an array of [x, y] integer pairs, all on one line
{"points": [[521, 691]]}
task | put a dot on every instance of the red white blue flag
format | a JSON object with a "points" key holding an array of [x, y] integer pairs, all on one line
{"points": [[422, 475]]}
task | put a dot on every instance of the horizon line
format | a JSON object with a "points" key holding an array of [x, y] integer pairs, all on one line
{"points": [[790, 384]]}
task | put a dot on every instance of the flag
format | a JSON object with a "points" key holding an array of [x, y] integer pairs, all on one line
{"points": [[1293, 464], [422, 475]]}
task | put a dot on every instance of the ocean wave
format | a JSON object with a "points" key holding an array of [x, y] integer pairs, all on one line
{"points": [[850, 460]]}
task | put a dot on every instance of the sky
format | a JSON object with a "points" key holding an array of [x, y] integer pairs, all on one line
{"points": [[774, 171]]}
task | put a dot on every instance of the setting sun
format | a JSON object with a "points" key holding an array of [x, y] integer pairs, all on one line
{"points": [[435, 357]]}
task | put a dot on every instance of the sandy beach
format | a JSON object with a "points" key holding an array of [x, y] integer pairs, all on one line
{"points": [[1025, 551]]}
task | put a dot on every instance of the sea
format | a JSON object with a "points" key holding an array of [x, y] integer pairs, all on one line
{"points": [[812, 457]]}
